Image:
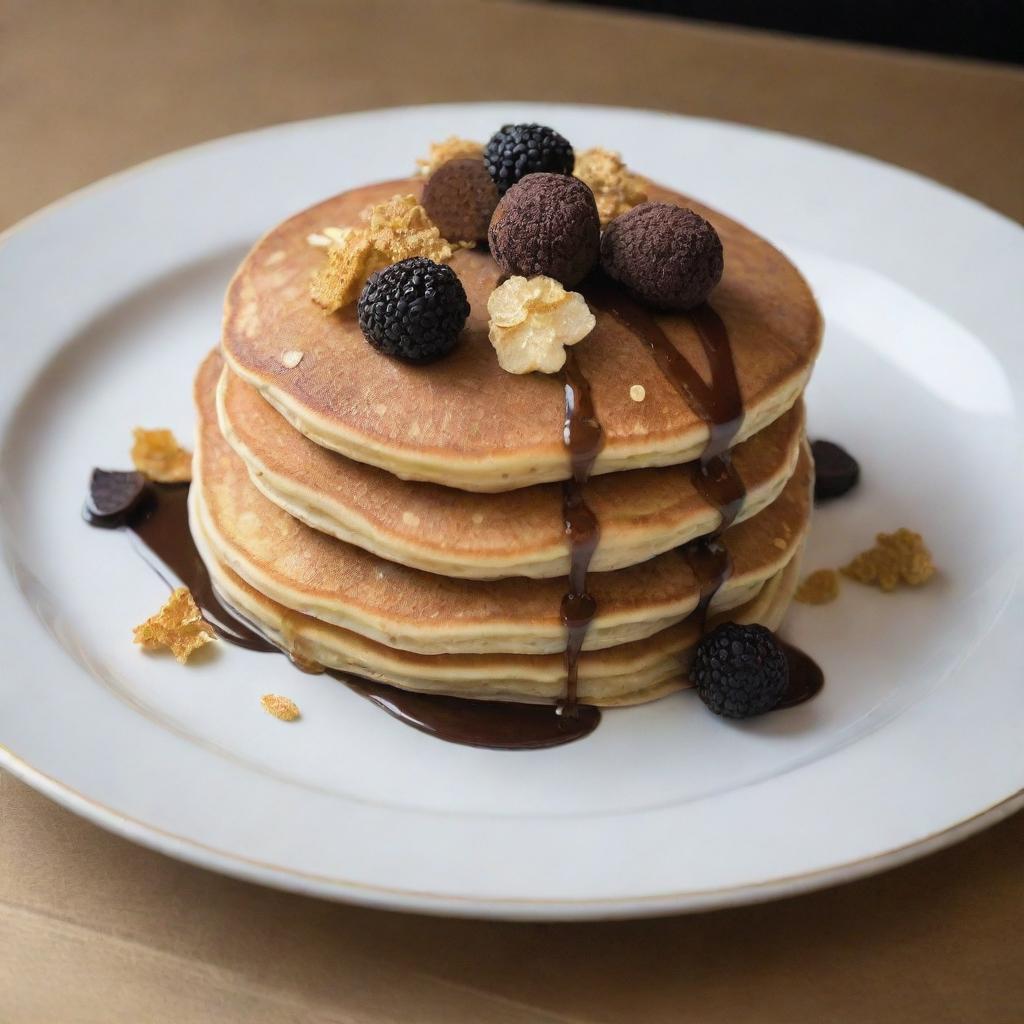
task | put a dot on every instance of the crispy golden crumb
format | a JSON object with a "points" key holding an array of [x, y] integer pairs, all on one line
{"points": [[340, 280], [178, 626], [899, 557], [452, 148], [532, 320], [157, 455], [638, 392], [820, 587], [615, 188], [280, 707], [396, 230]]}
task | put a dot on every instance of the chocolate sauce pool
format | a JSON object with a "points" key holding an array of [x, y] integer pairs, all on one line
{"points": [[160, 529], [805, 677], [497, 725], [162, 536]]}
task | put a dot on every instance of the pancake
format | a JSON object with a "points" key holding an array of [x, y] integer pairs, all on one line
{"points": [[309, 572], [464, 422], [634, 673], [486, 536]]}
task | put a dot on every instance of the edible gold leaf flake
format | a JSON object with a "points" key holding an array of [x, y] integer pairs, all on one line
{"points": [[900, 557], [179, 626], [615, 188], [157, 455], [532, 320]]}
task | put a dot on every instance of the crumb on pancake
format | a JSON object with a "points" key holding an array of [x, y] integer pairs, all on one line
{"points": [[638, 392], [820, 587], [615, 188], [533, 320], [179, 626], [292, 358], [900, 557], [280, 707], [396, 230], [328, 237], [452, 148], [158, 456]]}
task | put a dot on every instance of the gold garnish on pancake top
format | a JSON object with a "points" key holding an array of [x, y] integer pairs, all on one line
{"points": [[820, 587], [396, 230], [616, 189], [533, 320], [280, 707], [452, 148], [157, 455], [179, 626], [900, 557]]}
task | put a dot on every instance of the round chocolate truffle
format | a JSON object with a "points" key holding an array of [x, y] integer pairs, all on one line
{"points": [[459, 198], [668, 256], [546, 224]]}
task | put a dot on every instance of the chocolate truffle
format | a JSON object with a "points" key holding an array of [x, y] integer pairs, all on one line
{"points": [[546, 224], [669, 257], [459, 198]]}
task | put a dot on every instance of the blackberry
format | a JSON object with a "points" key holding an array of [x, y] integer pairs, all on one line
{"points": [[740, 671], [521, 149], [835, 470], [413, 310]]}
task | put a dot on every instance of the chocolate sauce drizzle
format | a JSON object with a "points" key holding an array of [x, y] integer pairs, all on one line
{"points": [[583, 438], [805, 677], [161, 534], [719, 404]]}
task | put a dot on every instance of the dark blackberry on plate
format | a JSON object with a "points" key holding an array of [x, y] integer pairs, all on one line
{"points": [[740, 671], [520, 149], [836, 471], [413, 310]]}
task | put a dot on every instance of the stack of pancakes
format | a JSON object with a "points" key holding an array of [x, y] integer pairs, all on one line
{"points": [[405, 523]]}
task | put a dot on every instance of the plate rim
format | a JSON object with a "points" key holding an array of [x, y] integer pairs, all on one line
{"points": [[382, 897]]}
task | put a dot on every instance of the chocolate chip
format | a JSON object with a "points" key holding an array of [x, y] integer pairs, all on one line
{"points": [[835, 470], [113, 496]]}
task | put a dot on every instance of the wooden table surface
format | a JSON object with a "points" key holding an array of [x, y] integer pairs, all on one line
{"points": [[94, 929]]}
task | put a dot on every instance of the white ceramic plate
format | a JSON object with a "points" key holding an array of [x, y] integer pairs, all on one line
{"points": [[110, 298]]}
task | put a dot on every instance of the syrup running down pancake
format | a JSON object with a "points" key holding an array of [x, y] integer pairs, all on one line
{"points": [[488, 536]]}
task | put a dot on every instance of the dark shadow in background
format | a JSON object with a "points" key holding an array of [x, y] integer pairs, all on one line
{"points": [[987, 29]]}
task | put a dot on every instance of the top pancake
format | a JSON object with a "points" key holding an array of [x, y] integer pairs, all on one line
{"points": [[463, 421]]}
